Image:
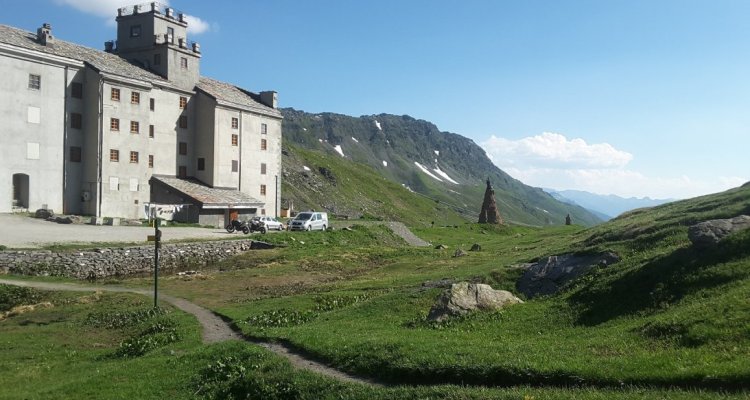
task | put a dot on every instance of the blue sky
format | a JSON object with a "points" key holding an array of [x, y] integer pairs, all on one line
{"points": [[636, 98]]}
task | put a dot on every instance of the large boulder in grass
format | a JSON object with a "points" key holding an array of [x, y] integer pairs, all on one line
{"points": [[464, 297], [708, 233], [549, 274]]}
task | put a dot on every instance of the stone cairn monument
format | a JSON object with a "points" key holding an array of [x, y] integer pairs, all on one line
{"points": [[489, 213], [568, 221]]}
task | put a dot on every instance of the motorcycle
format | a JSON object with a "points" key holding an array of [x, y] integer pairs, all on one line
{"points": [[256, 225], [237, 225]]}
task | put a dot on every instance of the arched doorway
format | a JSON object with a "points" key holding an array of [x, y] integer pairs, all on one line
{"points": [[20, 191]]}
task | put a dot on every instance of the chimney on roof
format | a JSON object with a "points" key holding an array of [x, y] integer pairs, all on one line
{"points": [[44, 35], [109, 46], [155, 7], [269, 98], [170, 12], [136, 9], [196, 47], [182, 18]]}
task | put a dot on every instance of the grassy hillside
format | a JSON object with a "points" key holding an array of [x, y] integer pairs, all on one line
{"points": [[667, 321], [313, 180], [391, 145]]}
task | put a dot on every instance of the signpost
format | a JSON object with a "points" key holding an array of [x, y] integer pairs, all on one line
{"points": [[156, 238]]}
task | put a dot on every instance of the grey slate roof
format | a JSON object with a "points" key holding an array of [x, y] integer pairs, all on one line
{"points": [[102, 61], [230, 93], [115, 65], [209, 197]]}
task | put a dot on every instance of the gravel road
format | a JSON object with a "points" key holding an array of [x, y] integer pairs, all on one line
{"points": [[21, 232]]}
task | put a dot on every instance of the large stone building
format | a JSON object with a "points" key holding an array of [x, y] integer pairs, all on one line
{"points": [[105, 133]]}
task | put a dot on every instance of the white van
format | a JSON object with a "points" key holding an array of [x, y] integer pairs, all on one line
{"points": [[309, 221]]}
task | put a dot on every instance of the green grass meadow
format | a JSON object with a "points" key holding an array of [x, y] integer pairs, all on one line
{"points": [[668, 321]]}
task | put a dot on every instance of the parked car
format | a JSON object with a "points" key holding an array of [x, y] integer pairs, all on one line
{"points": [[271, 223], [308, 221]]}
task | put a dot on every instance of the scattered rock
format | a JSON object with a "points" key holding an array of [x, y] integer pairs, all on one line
{"points": [[64, 220], [44, 213], [708, 233], [548, 275], [346, 228], [18, 310], [441, 247], [460, 253], [442, 283], [328, 174], [476, 247], [464, 297]]}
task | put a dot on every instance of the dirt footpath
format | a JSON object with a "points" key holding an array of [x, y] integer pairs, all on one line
{"points": [[22, 232], [214, 329]]}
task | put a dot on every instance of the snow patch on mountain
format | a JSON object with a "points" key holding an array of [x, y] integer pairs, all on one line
{"points": [[444, 175], [339, 150], [427, 171]]}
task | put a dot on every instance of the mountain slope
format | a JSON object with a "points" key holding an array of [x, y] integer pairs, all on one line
{"points": [[314, 180], [608, 205], [446, 167]]}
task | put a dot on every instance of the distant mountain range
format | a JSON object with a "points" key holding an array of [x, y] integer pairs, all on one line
{"points": [[604, 206], [448, 169]]}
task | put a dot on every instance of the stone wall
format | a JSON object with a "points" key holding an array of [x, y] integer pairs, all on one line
{"points": [[122, 261]]}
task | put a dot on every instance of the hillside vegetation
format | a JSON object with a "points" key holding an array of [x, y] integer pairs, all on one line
{"points": [[391, 145], [667, 321]]}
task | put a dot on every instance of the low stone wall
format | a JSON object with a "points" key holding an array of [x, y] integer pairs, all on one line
{"points": [[106, 262]]}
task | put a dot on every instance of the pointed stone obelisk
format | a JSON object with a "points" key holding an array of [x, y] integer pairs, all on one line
{"points": [[489, 213]]}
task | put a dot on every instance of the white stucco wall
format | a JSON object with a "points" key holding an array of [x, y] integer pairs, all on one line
{"points": [[32, 133]]}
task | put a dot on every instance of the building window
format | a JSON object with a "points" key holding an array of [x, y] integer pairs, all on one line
{"points": [[201, 164], [235, 139], [263, 144], [134, 157], [235, 165], [135, 127], [114, 183], [114, 155], [182, 171], [235, 123], [135, 31], [115, 96], [35, 82], [152, 104], [170, 35], [135, 98], [262, 190], [183, 121], [262, 211], [263, 168], [157, 59], [150, 161], [183, 148], [76, 120], [183, 62], [150, 131], [114, 124], [263, 129], [183, 102], [75, 154], [76, 90]]}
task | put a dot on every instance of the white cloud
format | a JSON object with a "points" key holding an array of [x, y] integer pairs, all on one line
{"points": [[108, 9], [555, 150], [100, 8], [196, 26], [551, 160]]}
